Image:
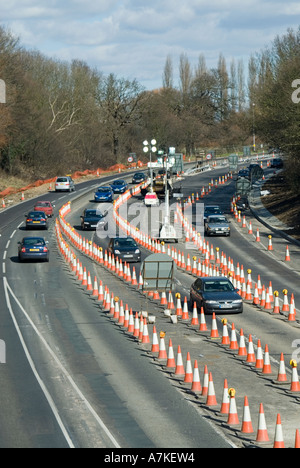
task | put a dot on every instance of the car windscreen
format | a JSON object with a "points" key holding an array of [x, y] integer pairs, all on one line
{"points": [[218, 286], [62, 179], [125, 243], [93, 214], [217, 220], [36, 214], [103, 189]]}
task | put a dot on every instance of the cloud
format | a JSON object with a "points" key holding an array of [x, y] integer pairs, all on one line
{"points": [[132, 38]]}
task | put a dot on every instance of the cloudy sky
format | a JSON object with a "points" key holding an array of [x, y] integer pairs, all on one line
{"points": [[132, 38]]}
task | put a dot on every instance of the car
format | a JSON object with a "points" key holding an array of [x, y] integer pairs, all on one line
{"points": [[244, 173], [119, 186], [242, 203], [217, 225], [46, 207], [64, 184], [277, 163], [93, 219], [210, 210], [215, 294], [125, 248], [33, 248], [104, 194], [36, 220], [138, 177]]}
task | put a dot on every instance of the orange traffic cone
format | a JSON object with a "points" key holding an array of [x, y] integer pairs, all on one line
{"points": [[225, 337], [262, 433], [233, 419], [162, 348], [203, 326], [267, 365], [179, 370], [214, 334], [247, 427], [278, 440], [195, 320], [287, 254], [188, 377], [226, 400], [259, 356], [171, 359], [205, 381], [281, 377], [155, 344], [196, 384], [250, 355], [295, 385], [297, 439], [211, 396], [233, 339], [242, 347]]}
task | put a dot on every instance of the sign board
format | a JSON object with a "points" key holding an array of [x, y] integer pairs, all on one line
{"points": [[233, 162], [243, 186], [2, 92], [158, 272]]}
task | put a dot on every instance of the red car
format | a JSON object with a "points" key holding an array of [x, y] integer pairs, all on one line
{"points": [[44, 206]]}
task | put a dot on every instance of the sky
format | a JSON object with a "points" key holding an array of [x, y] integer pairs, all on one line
{"points": [[133, 38]]}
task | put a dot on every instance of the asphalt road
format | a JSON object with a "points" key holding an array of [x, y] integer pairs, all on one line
{"points": [[91, 384]]}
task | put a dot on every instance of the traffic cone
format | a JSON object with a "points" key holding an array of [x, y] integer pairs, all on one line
{"points": [[263, 297], [188, 377], [211, 396], [259, 363], [270, 245], [225, 400], [136, 329], [295, 385], [225, 337], [267, 365], [179, 369], [268, 305], [196, 384], [130, 328], [162, 348], [145, 336], [287, 254], [292, 311], [257, 238], [285, 306], [195, 320], [281, 377], [256, 295], [242, 347], [276, 308], [95, 290], [155, 344], [214, 334], [247, 427], [250, 231], [278, 440], [233, 419], [185, 312], [178, 305], [171, 359], [163, 298], [100, 295], [121, 314], [250, 355], [205, 381], [262, 433], [203, 326], [233, 339]]}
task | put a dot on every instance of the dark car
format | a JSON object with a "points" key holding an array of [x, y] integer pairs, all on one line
{"points": [[119, 186], [217, 225], [94, 219], [33, 248], [211, 210], [242, 203], [216, 294], [104, 194], [244, 173], [45, 206], [277, 163], [138, 178], [36, 220], [125, 248]]}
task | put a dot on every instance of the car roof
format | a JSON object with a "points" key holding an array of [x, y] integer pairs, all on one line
{"points": [[33, 238], [36, 213], [214, 278]]}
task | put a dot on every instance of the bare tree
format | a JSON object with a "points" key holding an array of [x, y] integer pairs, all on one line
{"points": [[168, 73]]}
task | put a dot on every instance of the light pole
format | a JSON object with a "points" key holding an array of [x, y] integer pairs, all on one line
{"points": [[152, 148], [253, 117]]}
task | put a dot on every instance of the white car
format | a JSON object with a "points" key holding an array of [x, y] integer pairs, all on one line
{"points": [[151, 199], [64, 184]]}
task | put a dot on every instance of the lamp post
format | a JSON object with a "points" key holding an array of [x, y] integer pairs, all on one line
{"points": [[152, 148], [253, 123]]}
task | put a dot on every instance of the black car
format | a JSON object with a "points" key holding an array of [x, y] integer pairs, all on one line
{"points": [[125, 248], [94, 219], [33, 248], [244, 173], [138, 178], [277, 163], [36, 220], [216, 294]]}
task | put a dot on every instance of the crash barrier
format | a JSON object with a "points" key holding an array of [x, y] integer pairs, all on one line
{"points": [[137, 326]]}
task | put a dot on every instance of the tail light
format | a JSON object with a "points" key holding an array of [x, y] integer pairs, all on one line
{"points": [[45, 249], [23, 249]]}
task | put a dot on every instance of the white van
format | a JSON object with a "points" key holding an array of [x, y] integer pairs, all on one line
{"points": [[64, 184]]}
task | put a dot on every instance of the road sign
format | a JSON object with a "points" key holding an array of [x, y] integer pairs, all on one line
{"points": [[158, 272]]}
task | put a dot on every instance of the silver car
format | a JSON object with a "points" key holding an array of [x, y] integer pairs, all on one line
{"points": [[64, 184], [217, 225]]}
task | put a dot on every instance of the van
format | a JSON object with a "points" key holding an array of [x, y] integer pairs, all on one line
{"points": [[64, 184]]}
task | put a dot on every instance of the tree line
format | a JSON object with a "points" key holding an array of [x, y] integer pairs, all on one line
{"points": [[62, 117]]}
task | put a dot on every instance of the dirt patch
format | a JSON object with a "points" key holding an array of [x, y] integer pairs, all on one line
{"points": [[283, 203]]}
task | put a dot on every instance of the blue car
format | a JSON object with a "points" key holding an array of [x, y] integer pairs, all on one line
{"points": [[104, 194], [119, 186], [36, 220], [33, 248]]}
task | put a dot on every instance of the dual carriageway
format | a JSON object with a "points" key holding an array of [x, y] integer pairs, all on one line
{"points": [[130, 393]]}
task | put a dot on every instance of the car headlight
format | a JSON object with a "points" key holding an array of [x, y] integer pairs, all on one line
{"points": [[211, 302], [237, 301], [137, 251], [117, 251]]}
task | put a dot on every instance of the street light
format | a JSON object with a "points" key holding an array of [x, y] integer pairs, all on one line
{"points": [[152, 148]]}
